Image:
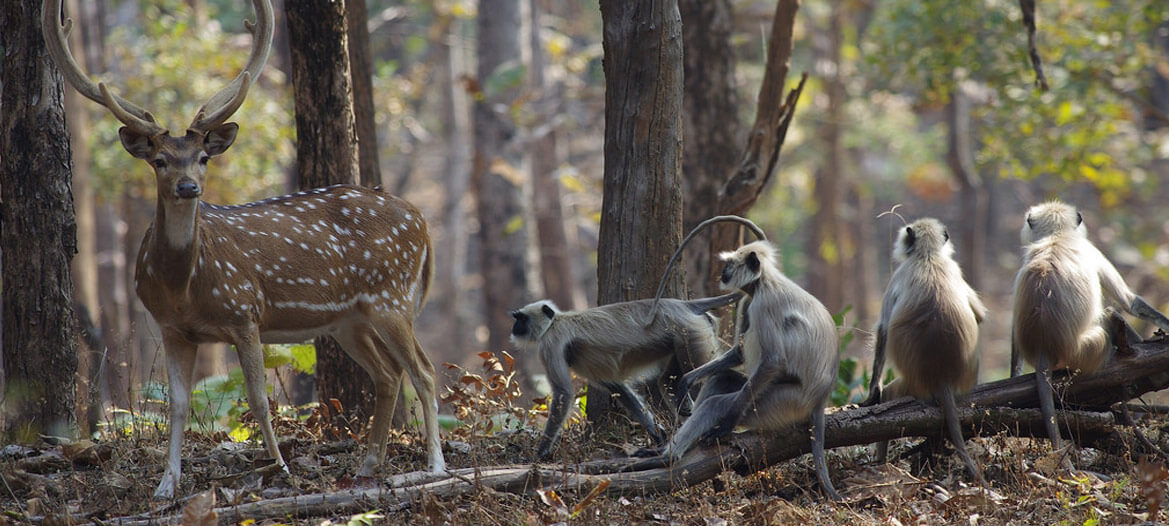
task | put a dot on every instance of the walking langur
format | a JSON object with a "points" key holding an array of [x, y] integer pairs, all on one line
{"points": [[929, 326], [780, 373], [1061, 295], [611, 346]]}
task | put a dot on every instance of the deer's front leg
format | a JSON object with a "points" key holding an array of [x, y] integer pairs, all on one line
{"points": [[251, 360], [180, 368]]}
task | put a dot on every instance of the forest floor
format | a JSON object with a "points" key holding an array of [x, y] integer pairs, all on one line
{"points": [[106, 480]]}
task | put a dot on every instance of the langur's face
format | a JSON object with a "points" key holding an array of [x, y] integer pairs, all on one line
{"points": [[532, 321]]}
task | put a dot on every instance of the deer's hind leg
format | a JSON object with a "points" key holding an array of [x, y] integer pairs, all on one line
{"points": [[398, 332], [365, 345]]}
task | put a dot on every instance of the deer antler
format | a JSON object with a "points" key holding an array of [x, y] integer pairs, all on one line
{"points": [[57, 44], [223, 104]]}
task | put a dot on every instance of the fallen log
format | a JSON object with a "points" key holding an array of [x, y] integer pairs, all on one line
{"points": [[1006, 406]]}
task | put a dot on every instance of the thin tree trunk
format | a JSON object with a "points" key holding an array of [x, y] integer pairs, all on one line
{"points": [[827, 243], [326, 153], [37, 233], [555, 258], [361, 73], [765, 139], [452, 265], [641, 211], [502, 190]]}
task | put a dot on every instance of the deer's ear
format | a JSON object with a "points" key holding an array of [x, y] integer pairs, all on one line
{"points": [[138, 144], [219, 139]]}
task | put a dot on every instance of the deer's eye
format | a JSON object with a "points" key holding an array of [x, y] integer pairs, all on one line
{"points": [[203, 160], [158, 163]]}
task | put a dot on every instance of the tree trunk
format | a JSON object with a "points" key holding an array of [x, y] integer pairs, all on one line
{"points": [[451, 267], [37, 233], [827, 246], [556, 271], [641, 210], [364, 111], [960, 157], [502, 190], [711, 127], [326, 153]]}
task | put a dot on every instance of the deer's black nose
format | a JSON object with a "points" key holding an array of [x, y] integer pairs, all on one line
{"points": [[187, 189]]}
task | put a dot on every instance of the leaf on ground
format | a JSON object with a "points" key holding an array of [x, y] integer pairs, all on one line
{"points": [[200, 510], [886, 483]]}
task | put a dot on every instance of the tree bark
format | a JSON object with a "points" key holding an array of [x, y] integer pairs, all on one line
{"points": [[641, 209], [37, 233], [710, 127], [326, 153]]}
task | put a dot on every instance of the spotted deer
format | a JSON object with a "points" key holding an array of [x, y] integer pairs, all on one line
{"points": [[345, 261]]}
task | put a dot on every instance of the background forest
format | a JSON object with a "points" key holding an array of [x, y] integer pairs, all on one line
{"points": [[928, 107], [917, 107]]}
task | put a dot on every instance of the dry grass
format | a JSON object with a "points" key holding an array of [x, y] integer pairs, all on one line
{"points": [[115, 477]]}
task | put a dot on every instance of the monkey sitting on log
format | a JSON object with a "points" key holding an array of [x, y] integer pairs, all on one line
{"points": [[929, 325], [612, 346], [781, 372], [1060, 310]]}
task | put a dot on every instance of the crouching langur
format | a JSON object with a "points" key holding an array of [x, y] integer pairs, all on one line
{"points": [[929, 326], [780, 373], [1065, 293], [611, 346]]}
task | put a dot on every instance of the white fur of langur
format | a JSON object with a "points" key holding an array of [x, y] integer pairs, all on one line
{"points": [[781, 372], [929, 326], [610, 346], [1060, 295]]}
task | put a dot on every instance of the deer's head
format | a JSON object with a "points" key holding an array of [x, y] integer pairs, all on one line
{"points": [[179, 163]]}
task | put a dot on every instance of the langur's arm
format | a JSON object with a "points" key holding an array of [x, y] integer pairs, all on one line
{"points": [[561, 398], [732, 358], [1116, 289], [977, 306]]}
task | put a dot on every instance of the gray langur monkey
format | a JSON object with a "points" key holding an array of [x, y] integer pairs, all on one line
{"points": [[781, 372], [929, 326], [1061, 294], [611, 346]]}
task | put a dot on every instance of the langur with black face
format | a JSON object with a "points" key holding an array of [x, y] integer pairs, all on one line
{"points": [[781, 372], [929, 326], [1065, 292], [612, 346]]}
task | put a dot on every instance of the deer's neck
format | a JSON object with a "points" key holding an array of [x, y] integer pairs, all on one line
{"points": [[174, 244]]}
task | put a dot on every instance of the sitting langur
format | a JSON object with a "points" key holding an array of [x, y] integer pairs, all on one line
{"points": [[1060, 295], [929, 326], [610, 346], [780, 373]]}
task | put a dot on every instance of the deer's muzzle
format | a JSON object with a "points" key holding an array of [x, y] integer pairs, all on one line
{"points": [[187, 188]]}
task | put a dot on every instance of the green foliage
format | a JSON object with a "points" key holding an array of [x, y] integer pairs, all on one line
{"points": [[1095, 55], [850, 386], [302, 357]]}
